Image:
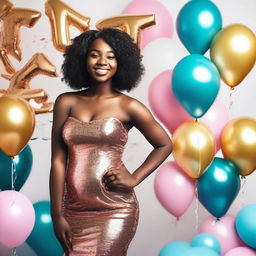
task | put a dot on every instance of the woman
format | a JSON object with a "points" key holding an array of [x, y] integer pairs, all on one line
{"points": [[93, 205]]}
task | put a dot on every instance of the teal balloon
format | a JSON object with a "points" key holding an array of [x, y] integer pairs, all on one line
{"points": [[200, 251], [219, 186], [197, 23], [175, 248], [42, 239], [206, 240], [195, 84], [23, 162], [246, 225]]}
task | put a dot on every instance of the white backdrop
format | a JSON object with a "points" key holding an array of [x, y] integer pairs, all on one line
{"points": [[156, 225]]}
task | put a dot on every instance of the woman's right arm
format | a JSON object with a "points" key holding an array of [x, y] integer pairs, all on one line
{"points": [[58, 168]]}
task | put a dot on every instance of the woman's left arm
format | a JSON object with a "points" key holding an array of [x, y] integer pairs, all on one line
{"points": [[144, 121]]}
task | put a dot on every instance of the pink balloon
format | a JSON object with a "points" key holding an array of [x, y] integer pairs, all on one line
{"points": [[164, 24], [174, 189], [224, 230], [17, 218], [241, 251], [169, 111]]}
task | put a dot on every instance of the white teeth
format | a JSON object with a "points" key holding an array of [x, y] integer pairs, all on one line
{"points": [[101, 71]]}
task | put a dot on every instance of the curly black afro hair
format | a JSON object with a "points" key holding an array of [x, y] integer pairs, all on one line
{"points": [[130, 68]]}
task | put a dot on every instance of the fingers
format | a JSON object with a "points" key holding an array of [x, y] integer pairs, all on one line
{"points": [[68, 241]]}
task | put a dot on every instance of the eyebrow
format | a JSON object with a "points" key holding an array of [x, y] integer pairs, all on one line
{"points": [[99, 51]]}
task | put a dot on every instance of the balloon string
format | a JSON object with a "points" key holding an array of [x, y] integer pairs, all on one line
{"points": [[13, 172], [14, 252], [243, 190], [196, 208], [231, 102]]}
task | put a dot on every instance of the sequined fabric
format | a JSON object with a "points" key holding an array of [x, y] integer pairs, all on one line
{"points": [[103, 221]]}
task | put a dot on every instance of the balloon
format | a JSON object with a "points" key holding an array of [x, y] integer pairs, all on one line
{"points": [[246, 224], [197, 90], [61, 16], [215, 119], [174, 190], [131, 24], [44, 229], [238, 144], [164, 23], [17, 124], [193, 148], [206, 240], [11, 23], [19, 85], [240, 251], [224, 230], [233, 51], [5, 7], [199, 250], [17, 218], [219, 186], [23, 162], [198, 19], [175, 248]]}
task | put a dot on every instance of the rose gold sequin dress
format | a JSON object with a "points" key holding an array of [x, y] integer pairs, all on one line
{"points": [[103, 222]]}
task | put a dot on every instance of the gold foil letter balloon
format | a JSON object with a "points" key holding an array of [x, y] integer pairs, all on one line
{"points": [[233, 51], [238, 144], [5, 7], [193, 148], [131, 24], [17, 124], [61, 17]]}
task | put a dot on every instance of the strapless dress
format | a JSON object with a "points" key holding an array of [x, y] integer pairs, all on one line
{"points": [[103, 221]]}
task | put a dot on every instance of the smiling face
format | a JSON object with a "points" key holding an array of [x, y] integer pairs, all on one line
{"points": [[101, 61]]}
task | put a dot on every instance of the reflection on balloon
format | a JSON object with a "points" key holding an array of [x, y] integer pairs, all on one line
{"points": [[246, 224], [198, 19], [174, 189], [238, 144], [206, 240], [224, 230], [131, 24], [233, 51], [61, 16], [197, 90], [44, 228], [17, 124], [23, 162], [193, 148], [164, 24], [219, 186], [17, 218], [242, 250]]}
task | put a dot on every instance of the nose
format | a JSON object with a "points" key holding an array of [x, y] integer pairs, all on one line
{"points": [[102, 61]]}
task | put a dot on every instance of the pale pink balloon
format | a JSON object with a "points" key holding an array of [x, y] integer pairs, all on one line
{"points": [[215, 119], [169, 111], [241, 251], [164, 25], [224, 230], [174, 189], [17, 218]]}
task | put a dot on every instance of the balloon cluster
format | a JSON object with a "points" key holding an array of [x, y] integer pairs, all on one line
{"points": [[195, 83]]}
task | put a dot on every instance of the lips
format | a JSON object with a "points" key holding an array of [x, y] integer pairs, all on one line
{"points": [[101, 72]]}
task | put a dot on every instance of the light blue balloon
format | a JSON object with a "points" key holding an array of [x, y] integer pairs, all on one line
{"points": [[175, 248], [246, 225], [197, 23], [219, 186], [195, 84], [206, 240], [42, 239], [199, 251]]}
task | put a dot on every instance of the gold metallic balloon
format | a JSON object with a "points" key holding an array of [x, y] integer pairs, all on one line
{"points": [[17, 124], [131, 24], [238, 144], [233, 51], [61, 17], [193, 148], [5, 7]]}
